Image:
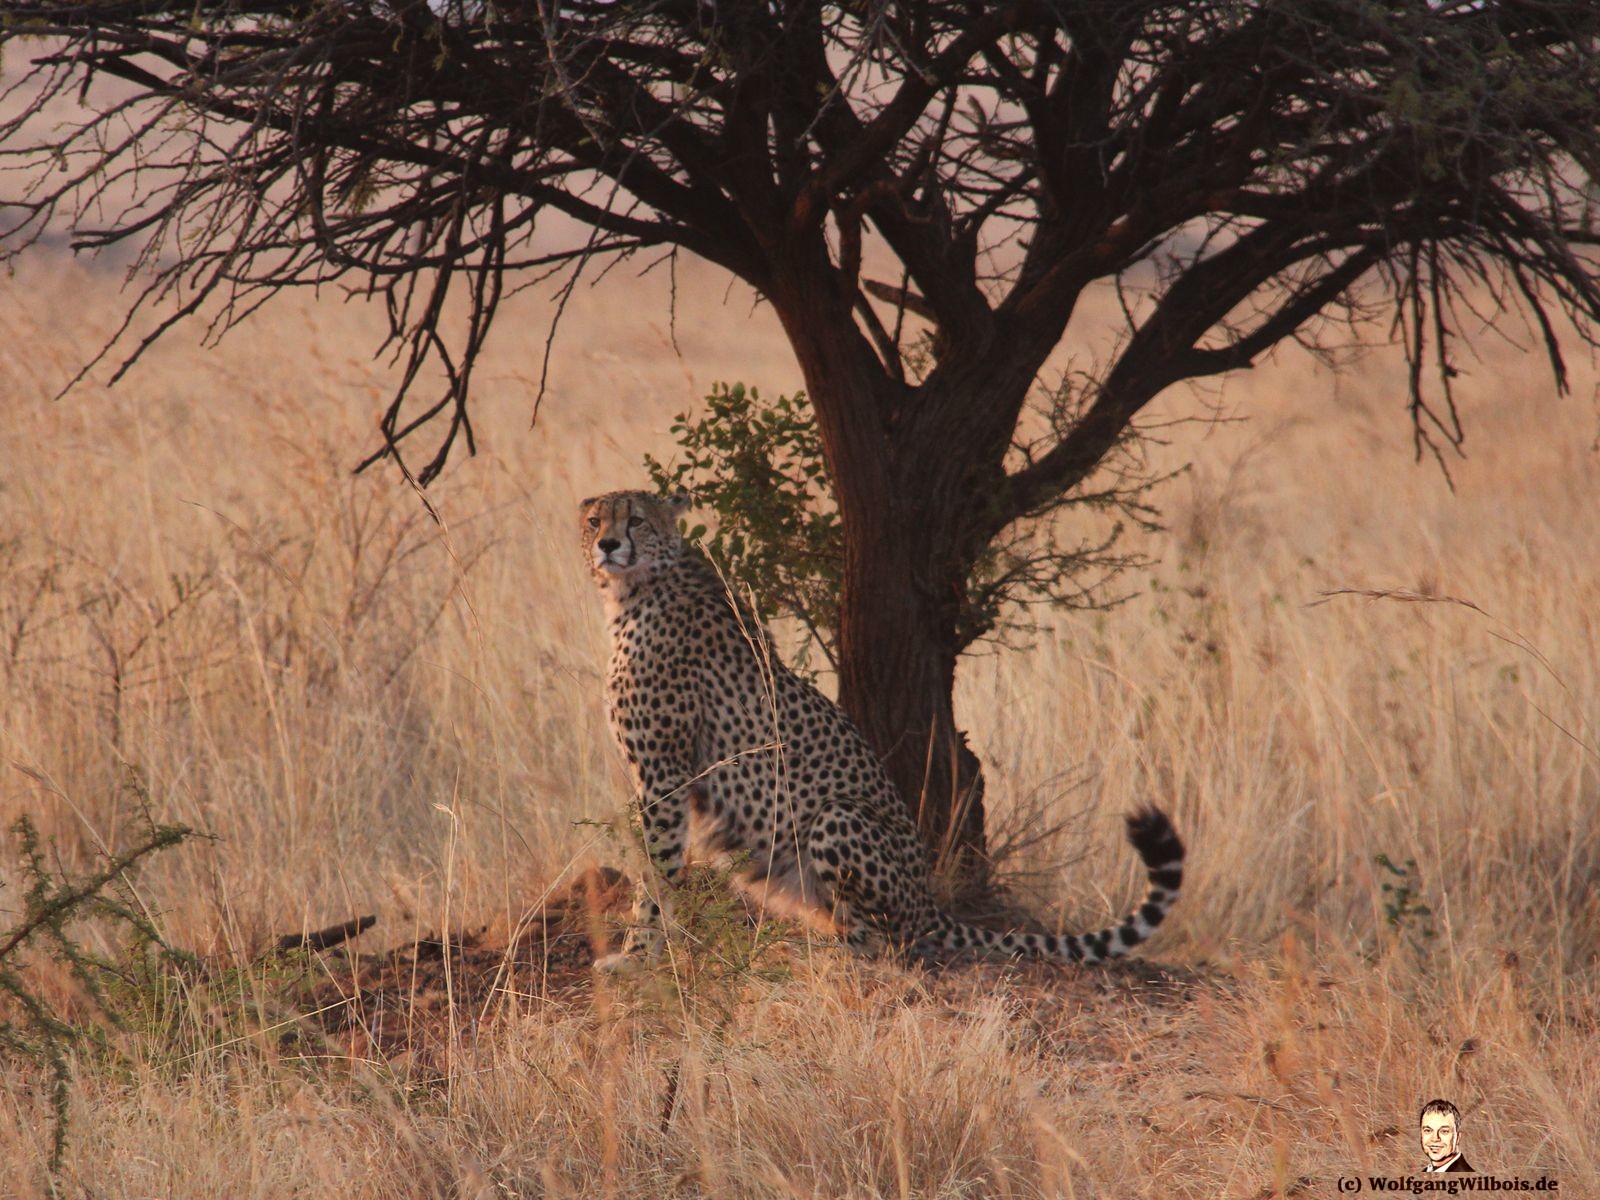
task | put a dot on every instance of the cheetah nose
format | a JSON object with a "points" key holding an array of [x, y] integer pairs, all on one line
{"points": [[607, 545]]}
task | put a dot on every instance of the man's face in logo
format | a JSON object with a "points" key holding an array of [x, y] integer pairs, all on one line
{"points": [[1439, 1137]]}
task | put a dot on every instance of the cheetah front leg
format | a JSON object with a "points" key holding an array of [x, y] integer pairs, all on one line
{"points": [[663, 823]]}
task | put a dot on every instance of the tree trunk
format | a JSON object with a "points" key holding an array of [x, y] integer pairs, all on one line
{"points": [[897, 668], [902, 585]]}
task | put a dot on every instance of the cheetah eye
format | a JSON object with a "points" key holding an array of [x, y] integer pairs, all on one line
{"points": [[635, 522], [594, 522]]}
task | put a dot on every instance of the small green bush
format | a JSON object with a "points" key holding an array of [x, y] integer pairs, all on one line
{"points": [[40, 1028], [758, 465]]}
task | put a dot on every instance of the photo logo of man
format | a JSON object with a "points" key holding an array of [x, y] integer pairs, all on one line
{"points": [[1441, 1137]]}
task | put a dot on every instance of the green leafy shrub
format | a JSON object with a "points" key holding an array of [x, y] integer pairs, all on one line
{"points": [[758, 465], [1403, 908], [39, 1027]]}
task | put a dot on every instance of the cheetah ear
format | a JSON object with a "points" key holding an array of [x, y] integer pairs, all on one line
{"points": [[680, 502], [584, 504]]}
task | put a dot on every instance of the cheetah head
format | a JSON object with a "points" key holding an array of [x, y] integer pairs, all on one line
{"points": [[628, 534]]}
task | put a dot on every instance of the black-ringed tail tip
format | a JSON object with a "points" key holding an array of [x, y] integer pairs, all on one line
{"points": [[1160, 849]]}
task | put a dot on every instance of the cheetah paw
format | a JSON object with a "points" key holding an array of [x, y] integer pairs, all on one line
{"points": [[623, 962]]}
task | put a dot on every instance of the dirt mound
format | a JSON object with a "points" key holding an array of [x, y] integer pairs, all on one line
{"points": [[413, 1002], [407, 1000]]}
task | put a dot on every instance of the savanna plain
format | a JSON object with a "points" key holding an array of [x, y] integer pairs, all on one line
{"points": [[1370, 703]]}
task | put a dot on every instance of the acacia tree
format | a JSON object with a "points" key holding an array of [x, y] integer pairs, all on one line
{"points": [[1241, 171]]}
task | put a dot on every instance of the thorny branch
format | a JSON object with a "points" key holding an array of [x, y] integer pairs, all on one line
{"points": [[1244, 172]]}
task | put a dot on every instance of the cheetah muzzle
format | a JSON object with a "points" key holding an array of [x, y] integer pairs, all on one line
{"points": [[733, 754]]}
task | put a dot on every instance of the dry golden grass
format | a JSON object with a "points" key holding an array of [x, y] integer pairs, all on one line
{"points": [[372, 714]]}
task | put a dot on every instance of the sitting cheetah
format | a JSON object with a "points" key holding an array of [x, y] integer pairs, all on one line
{"points": [[732, 753]]}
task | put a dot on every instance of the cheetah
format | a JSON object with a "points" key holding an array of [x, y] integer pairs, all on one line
{"points": [[734, 756]]}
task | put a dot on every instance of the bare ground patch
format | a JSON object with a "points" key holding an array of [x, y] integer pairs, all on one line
{"points": [[409, 1001]]}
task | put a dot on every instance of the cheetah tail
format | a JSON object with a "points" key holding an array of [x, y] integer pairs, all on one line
{"points": [[1152, 835]]}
